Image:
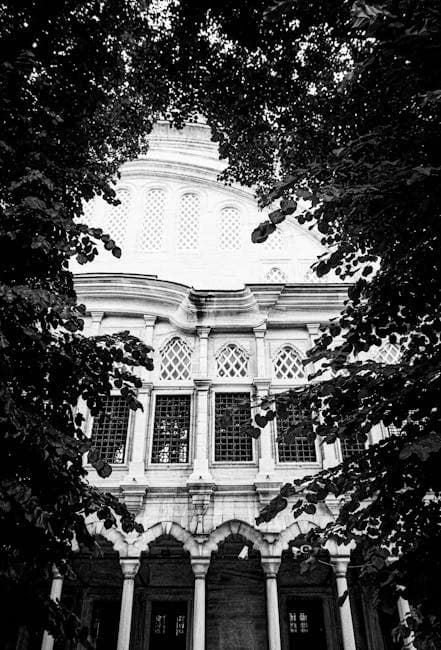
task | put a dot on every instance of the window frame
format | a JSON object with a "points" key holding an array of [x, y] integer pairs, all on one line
{"points": [[247, 379], [231, 388], [317, 464], [168, 391], [129, 436]]}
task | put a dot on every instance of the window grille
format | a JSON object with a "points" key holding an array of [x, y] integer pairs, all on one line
{"points": [[232, 362], [276, 275], [231, 443], [287, 364], [393, 430], [109, 430], [188, 226], [153, 223], [302, 450], [386, 353], [176, 361], [171, 429], [275, 241], [117, 217], [298, 623], [230, 230], [351, 447]]}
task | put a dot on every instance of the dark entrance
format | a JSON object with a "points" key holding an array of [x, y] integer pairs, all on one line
{"points": [[168, 628], [306, 629], [105, 623]]}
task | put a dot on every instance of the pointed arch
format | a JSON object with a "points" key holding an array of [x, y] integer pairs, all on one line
{"points": [[287, 363], [176, 358], [236, 527], [232, 361], [176, 531]]}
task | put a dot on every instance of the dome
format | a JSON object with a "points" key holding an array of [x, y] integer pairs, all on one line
{"points": [[177, 221]]}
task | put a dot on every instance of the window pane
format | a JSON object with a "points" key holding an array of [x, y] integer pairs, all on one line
{"points": [[231, 443], [232, 362], [109, 431], [302, 449], [171, 429], [351, 447], [176, 361]]}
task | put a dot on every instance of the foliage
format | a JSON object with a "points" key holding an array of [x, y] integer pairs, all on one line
{"points": [[74, 104], [339, 104]]}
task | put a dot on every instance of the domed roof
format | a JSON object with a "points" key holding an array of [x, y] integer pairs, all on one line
{"points": [[178, 222]]}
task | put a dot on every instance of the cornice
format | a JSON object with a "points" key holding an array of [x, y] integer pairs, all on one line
{"points": [[187, 308]]}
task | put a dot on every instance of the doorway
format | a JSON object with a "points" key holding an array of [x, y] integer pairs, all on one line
{"points": [[168, 628], [306, 627]]}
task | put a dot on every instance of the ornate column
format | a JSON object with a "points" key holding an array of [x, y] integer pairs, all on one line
{"points": [[95, 326], [259, 334], [404, 611], [129, 568], [200, 568], [203, 333], [55, 595], [201, 472], [340, 564], [270, 568]]}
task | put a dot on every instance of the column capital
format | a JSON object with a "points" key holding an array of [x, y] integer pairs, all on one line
{"points": [[270, 566], [200, 566], [146, 388], [202, 384], [96, 316], [260, 331], [149, 320], [56, 574], [203, 331], [129, 567], [340, 564]]}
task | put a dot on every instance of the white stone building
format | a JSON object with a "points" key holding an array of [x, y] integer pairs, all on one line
{"points": [[229, 321]]}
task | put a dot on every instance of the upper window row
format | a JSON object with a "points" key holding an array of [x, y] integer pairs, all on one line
{"points": [[151, 234], [232, 362]]}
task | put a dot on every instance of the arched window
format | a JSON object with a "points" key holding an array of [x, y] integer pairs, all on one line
{"points": [[153, 222], [117, 217], [188, 222], [386, 353], [287, 364], [232, 362], [276, 275], [230, 238], [175, 360]]}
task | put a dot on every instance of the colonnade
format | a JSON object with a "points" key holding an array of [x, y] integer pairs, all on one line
{"points": [[200, 566]]}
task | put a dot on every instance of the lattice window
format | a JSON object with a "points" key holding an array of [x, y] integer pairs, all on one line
{"points": [[287, 364], [230, 230], [275, 241], [109, 430], [176, 360], [171, 429], [393, 430], [232, 362], [298, 623], [276, 275], [351, 447], [188, 226], [302, 449], [117, 217], [387, 353], [153, 223], [89, 211], [231, 443]]}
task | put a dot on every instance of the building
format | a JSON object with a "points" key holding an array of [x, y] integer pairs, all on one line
{"points": [[229, 321]]}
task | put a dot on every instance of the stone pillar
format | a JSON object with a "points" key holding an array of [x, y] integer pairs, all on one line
{"points": [[340, 565], [149, 328], [259, 334], [200, 568], [129, 568], [403, 612], [270, 568], [55, 595], [266, 458], [137, 459], [201, 472], [96, 318], [203, 333]]}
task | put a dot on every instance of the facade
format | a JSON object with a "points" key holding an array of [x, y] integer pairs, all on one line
{"points": [[229, 322]]}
